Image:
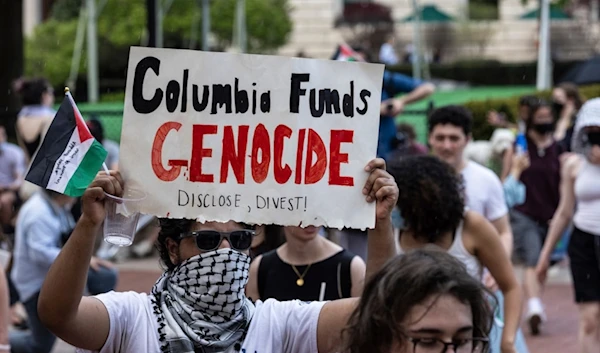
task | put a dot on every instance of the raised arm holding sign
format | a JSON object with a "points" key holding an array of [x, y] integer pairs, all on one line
{"points": [[199, 303]]}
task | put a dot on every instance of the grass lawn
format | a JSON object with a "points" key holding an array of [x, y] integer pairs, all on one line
{"points": [[458, 96], [111, 114]]}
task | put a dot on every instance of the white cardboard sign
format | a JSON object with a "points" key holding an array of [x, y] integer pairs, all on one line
{"points": [[251, 138]]}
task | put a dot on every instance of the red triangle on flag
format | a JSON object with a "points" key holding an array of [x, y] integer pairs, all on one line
{"points": [[82, 129]]}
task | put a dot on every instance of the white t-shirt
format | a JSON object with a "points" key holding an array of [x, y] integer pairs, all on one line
{"points": [[484, 192], [282, 327]]}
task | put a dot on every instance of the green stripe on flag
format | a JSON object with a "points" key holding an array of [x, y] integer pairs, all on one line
{"points": [[87, 170]]}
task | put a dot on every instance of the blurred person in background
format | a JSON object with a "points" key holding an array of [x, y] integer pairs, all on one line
{"points": [[580, 203], [4, 312], [33, 120], [514, 189], [387, 52], [499, 120], [12, 173], [37, 98], [566, 102], [406, 143], [43, 223], [530, 220], [306, 264]]}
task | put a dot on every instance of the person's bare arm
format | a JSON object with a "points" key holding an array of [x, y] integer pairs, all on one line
{"points": [[562, 215], [382, 189], [4, 311], [80, 321], [332, 320], [507, 161], [489, 251], [357, 276], [564, 121], [502, 226], [421, 92], [252, 286]]}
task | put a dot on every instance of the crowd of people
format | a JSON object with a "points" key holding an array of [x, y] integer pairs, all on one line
{"points": [[436, 274]]}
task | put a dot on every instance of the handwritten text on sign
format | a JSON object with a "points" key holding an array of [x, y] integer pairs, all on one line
{"points": [[250, 138]]}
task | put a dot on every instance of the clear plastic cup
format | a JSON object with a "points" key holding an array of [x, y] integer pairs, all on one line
{"points": [[122, 215]]}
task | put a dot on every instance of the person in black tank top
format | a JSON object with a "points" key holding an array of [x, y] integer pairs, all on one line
{"points": [[307, 267], [278, 280]]}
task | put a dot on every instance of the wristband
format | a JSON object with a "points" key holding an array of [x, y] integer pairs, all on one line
{"points": [[5, 347]]}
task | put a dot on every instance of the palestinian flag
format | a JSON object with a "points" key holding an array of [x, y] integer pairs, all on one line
{"points": [[346, 53], [69, 157]]}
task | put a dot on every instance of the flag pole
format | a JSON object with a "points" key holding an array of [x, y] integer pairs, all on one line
{"points": [[68, 94]]}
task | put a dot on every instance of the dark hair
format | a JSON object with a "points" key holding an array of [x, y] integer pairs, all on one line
{"points": [[541, 103], [528, 101], [96, 129], [431, 199], [452, 114], [408, 130], [173, 228], [404, 282], [274, 236], [31, 90], [572, 92], [170, 228]]}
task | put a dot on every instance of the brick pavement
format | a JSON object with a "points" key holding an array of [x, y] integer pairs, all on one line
{"points": [[559, 334]]}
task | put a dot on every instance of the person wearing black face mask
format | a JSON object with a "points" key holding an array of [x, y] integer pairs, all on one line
{"points": [[580, 204], [530, 220]]}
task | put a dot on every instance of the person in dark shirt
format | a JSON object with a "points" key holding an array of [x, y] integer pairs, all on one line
{"points": [[307, 267], [530, 220]]}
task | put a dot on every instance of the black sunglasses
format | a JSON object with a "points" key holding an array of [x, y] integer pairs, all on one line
{"points": [[209, 240]]}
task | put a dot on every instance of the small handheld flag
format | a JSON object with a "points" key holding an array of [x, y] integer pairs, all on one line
{"points": [[346, 53], [69, 157]]}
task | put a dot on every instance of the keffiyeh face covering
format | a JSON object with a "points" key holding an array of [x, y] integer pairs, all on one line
{"points": [[201, 304]]}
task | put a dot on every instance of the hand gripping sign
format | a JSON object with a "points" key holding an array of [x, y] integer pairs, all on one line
{"points": [[250, 138]]}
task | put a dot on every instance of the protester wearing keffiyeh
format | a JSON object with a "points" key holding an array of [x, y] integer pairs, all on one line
{"points": [[201, 304]]}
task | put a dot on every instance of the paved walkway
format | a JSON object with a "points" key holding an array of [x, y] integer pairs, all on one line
{"points": [[559, 334]]}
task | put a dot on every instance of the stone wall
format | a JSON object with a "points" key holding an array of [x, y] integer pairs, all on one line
{"points": [[509, 39]]}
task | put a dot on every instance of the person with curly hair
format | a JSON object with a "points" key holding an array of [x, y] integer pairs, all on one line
{"points": [[422, 302], [432, 205], [199, 303]]}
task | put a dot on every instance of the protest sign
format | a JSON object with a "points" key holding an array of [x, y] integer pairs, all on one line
{"points": [[251, 138]]}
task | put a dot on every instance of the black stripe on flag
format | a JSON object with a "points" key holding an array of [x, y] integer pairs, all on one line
{"points": [[54, 145]]}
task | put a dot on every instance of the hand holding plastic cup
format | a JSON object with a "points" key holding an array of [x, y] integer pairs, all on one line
{"points": [[122, 215]]}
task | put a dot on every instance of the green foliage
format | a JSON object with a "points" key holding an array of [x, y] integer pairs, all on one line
{"points": [[48, 52], [483, 10], [65, 10], [268, 23], [559, 3], [509, 106], [113, 97], [122, 23]]}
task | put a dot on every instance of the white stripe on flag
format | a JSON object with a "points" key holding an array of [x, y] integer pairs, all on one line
{"points": [[68, 162]]}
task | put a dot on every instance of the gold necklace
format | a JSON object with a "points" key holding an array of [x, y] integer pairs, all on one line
{"points": [[300, 280]]}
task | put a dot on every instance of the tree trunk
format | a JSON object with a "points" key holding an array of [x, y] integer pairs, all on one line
{"points": [[11, 61]]}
